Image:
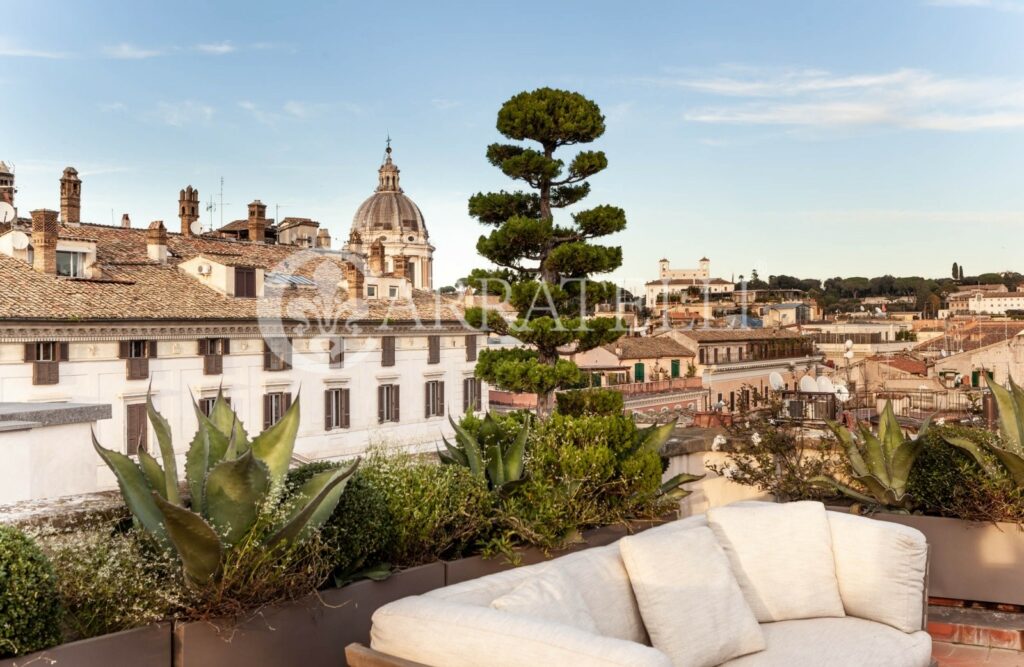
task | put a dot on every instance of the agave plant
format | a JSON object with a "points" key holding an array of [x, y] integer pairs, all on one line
{"points": [[501, 465], [1010, 448], [881, 463], [232, 482]]}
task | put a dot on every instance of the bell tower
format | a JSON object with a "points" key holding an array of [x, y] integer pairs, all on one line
{"points": [[188, 209], [7, 189], [70, 197]]}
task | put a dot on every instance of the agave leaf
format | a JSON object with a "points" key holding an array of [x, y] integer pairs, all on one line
{"points": [[275, 445], [163, 436], [1009, 419], [313, 503], [891, 437], [1018, 400], [134, 489], [196, 542], [1013, 462], [880, 490], [511, 485], [976, 452], [873, 452], [489, 428], [673, 487], [231, 453], [846, 438], [153, 472], [514, 457], [445, 458], [903, 461], [225, 420], [456, 454], [470, 447], [653, 437], [235, 491], [821, 480], [207, 449], [495, 466]]}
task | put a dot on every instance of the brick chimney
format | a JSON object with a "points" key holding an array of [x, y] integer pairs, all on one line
{"points": [[188, 209], [376, 258], [354, 278], [257, 222], [126, 222], [156, 241], [44, 241], [400, 262], [323, 239], [70, 197]]}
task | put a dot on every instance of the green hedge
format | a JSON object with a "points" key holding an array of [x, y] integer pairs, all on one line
{"points": [[29, 605], [580, 402]]}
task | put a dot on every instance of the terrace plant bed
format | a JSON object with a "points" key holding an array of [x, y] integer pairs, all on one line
{"points": [[150, 646]]}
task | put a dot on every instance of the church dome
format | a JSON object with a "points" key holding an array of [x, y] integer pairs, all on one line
{"points": [[388, 212]]}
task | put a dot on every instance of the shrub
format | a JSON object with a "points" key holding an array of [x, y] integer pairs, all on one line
{"points": [[110, 581], [436, 511], [360, 530], [29, 606], [580, 402]]}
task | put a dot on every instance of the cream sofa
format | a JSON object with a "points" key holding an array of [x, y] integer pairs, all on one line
{"points": [[881, 570]]}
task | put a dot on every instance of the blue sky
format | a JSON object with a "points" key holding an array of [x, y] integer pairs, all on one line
{"points": [[854, 137]]}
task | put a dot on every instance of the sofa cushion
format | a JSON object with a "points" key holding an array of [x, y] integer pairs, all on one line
{"points": [[690, 602], [550, 596], [781, 555], [438, 632], [881, 568], [838, 642]]}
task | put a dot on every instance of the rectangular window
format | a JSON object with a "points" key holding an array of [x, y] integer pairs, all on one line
{"points": [[387, 403], [275, 404], [70, 264], [135, 428], [336, 409], [371, 291], [137, 354], [471, 348], [45, 358], [434, 399], [245, 282], [277, 354], [336, 352], [206, 404], [46, 351], [433, 349], [471, 390], [393, 292], [387, 348]]}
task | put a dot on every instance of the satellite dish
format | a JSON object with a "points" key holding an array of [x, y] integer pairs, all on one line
{"points": [[775, 380], [825, 385], [19, 240], [6, 213], [848, 354], [944, 353], [808, 385], [848, 344], [842, 393], [196, 228]]}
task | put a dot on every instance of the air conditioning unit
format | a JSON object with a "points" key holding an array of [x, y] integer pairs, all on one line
{"points": [[204, 269]]}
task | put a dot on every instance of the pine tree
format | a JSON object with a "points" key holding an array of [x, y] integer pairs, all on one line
{"points": [[956, 271], [547, 264]]}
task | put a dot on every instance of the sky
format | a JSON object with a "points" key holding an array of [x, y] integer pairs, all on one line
{"points": [[818, 139]]}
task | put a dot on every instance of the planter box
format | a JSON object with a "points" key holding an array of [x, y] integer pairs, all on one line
{"points": [[971, 561], [140, 647], [312, 632]]}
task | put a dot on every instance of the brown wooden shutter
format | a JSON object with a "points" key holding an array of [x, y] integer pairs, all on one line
{"points": [[395, 402], [477, 398], [465, 395], [152, 349], [337, 352], [471, 348], [387, 351], [225, 345], [204, 346], [266, 411], [268, 355], [124, 349], [30, 351], [427, 404], [346, 418], [440, 399], [287, 402], [433, 349], [287, 343], [135, 431], [328, 407], [380, 404], [63, 351]]}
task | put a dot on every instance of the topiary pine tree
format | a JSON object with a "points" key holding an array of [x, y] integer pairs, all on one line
{"points": [[544, 268]]}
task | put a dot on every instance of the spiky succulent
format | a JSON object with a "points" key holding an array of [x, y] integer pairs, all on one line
{"points": [[486, 456], [1009, 450]]}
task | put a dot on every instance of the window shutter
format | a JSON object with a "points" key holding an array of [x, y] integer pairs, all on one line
{"points": [[152, 349], [225, 345], [266, 411], [477, 398], [433, 349], [135, 431], [465, 394], [380, 404], [328, 408], [440, 399], [268, 355], [287, 402], [63, 351], [427, 404], [395, 403], [204, 347], [471, 348], [124, 350], [30, 351], [345, 414], [287, 343]]}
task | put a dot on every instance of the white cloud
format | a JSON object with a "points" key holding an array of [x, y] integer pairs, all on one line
{"points": [[180, 114], [259, 114], [298, 109], [9, 49], [126, 51], [906, 98], [216, 49]]}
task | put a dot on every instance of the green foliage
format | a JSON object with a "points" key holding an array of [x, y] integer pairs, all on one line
{"points": [[437, 511], [1009, 449], [30, 612], [235, 486], [521, 370], [487, 451], [880, 463], [579, 402], [546, 264]]}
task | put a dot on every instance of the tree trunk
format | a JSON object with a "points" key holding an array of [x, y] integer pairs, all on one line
{"points": [[544, 404]]}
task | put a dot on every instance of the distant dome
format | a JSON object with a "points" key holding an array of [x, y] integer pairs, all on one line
{"points": [[388, 211]]}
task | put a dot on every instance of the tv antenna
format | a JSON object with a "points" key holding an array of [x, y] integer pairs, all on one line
{"points": [[212, 206]]}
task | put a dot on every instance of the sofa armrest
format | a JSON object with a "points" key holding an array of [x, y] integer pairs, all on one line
{"points": [[433, 631], [882, 570]]}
